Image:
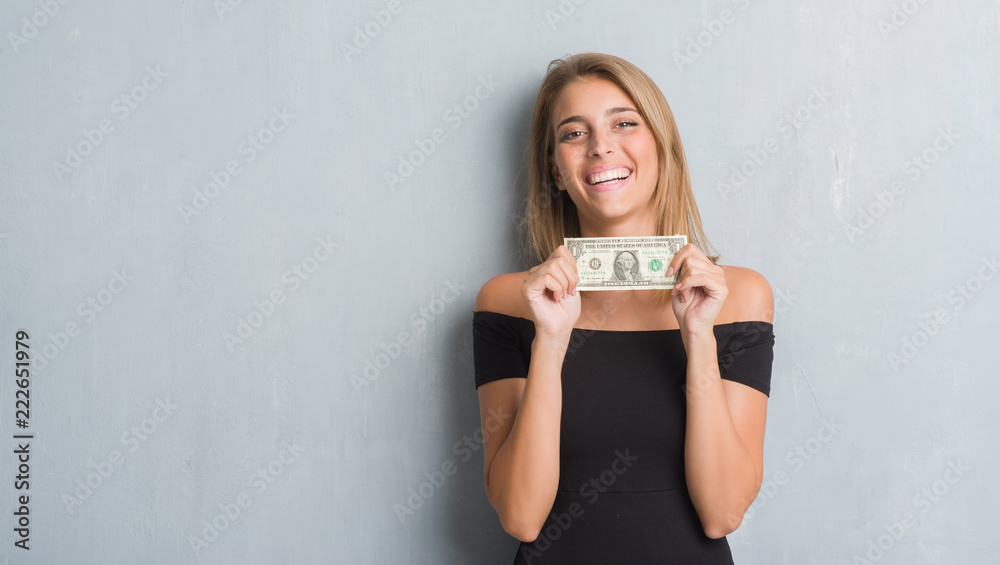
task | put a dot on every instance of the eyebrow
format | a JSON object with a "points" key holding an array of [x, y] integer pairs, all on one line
{"points": [[608, 112]]}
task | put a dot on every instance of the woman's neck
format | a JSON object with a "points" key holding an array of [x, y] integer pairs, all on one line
{"points": [[626, 227]]}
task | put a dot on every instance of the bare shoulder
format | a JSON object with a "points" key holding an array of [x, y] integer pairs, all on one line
{"points": [[502, 294], [750, 295]]}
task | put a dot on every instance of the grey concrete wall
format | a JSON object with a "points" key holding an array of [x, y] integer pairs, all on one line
{"points": [[249, 343]]}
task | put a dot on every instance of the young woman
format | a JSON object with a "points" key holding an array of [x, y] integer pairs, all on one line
{"points": [[619, 426]]}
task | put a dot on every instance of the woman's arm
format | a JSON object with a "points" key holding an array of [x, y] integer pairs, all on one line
{"points": [[724, 439], [522, 455], [521, 467]]}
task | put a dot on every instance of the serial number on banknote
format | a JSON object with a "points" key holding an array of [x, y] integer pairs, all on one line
{"points": [[623, 263]]}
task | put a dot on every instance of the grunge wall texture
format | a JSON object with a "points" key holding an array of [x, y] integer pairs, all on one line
{"points": [[245, 238]]}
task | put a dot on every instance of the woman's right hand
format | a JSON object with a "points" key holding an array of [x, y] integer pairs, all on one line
{"points": [[550, 293]]}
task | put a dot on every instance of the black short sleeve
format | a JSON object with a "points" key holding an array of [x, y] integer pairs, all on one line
{"points": [[747, 355], [501, 346]]}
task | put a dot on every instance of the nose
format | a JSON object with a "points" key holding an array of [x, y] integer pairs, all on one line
{"points": [[600, 143]]}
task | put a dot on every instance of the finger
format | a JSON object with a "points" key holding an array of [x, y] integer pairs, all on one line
{"points": [[551, 275], [569, 268], [693, 268], [695, 251], [571, 271], [678, 260], [562, 265], [679, 293], [556, 271], [544, 267], [709, 282], [566, 259], [544, 279], [536, 277], [557, 286], [688, 258], [693, 261], [562, 252]]}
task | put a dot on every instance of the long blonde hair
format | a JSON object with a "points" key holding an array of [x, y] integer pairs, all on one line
{"points": [[551, 214]]}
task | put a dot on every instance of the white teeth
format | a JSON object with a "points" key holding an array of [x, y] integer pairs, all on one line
{"points": [[609, 175]]}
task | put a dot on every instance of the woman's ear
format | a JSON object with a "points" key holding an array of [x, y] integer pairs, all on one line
{"points": [[556, 177]]}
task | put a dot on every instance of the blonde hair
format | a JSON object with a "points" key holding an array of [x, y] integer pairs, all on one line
{"points": [[551, 214]]}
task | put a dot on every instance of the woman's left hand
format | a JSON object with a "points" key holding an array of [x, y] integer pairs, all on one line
{"points": [[700, 290]]}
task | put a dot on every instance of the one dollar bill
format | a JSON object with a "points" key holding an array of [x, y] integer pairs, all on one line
{"points": [[623, 263]]}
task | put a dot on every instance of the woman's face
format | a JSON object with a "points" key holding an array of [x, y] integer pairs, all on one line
{"points": [[604, 157]]}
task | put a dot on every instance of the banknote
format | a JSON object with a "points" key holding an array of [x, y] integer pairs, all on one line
{"points": [[622, 263]]}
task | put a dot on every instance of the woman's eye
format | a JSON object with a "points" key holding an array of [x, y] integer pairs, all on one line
{"points": [[576, 133]]}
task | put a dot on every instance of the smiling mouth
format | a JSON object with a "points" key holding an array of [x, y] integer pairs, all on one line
{"points": [[608, 177]]}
